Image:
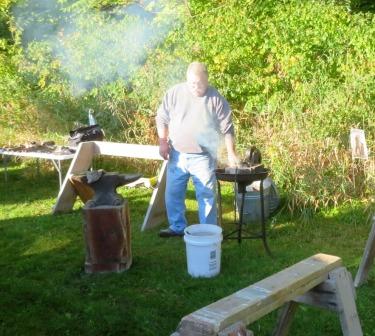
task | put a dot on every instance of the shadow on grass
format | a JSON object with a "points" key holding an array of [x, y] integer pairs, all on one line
{"points": [[29, 185], [45, 286]]}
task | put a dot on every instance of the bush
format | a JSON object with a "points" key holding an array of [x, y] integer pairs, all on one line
{"points": [[298, 75]]}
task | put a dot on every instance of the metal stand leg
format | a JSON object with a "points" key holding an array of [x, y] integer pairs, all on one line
{"points": [[240, 222], [264, 233], [237, 233], [230, 234], [219, 210]]}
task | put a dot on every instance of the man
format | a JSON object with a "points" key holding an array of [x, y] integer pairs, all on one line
{"points": [[189, 123]]}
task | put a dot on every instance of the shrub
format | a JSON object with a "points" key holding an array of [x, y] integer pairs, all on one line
{"points": [[298, 75]]}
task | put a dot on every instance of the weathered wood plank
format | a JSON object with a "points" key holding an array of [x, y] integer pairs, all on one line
{"points": [[107, 233], [350, 324], [367, 258], [156, 212], [257, 300], [81, 162], [322, 296], [127, 150]]}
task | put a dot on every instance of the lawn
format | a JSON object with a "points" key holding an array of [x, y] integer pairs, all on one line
{"points": [[44, 290]]}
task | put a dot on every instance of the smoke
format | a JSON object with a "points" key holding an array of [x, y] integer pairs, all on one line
{"points": [[208, 135], [92, 46]]}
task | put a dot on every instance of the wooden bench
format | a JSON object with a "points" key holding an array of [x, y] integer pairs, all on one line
{"points": [[367, 258], [319, 281]]}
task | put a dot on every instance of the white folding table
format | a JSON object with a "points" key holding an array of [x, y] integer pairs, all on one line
{"points": [[56, 159]]}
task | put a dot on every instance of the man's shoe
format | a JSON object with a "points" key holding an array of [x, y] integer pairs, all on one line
{"points": [[166, 233]]}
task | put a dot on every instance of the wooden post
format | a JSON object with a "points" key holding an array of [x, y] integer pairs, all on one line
{"points": [[322, 296], [156, 212], [350, 324], [80, 163], [107, 238], [367, 258], [285, 317]]}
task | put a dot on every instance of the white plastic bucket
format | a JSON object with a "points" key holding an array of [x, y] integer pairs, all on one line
{"points": [[203, 249]]}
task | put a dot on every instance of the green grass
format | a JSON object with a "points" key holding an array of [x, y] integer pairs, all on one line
{"points": [[44, 290]]}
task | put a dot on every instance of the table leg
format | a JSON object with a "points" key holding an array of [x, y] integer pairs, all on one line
{"points": [[59, 171], [5, 161], [57, 164], [37, 168]]}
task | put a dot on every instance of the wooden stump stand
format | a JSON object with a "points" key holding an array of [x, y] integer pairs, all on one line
{"points": [[108, 238], [320, 281], [367, 258]]}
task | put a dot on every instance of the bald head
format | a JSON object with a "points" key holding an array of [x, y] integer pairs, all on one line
{"points": [[197, 78], [197, 68]]}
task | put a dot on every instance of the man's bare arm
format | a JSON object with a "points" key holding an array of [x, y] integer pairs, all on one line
{"points": [[233, 160], [163, 142]]}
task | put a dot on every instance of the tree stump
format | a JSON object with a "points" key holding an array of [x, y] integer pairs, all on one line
{"points": [[108, 238]]}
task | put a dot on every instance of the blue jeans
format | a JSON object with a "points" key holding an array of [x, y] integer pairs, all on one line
{"points": [[201, 168]]}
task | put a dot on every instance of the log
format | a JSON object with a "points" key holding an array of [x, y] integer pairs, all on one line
{"points": [[108, 238]]}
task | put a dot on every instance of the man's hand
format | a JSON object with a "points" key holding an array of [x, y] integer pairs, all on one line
{"points": [[164, 148], [233, 160]]}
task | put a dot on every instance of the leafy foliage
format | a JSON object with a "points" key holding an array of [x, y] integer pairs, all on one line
{"points": [[298, 75]]}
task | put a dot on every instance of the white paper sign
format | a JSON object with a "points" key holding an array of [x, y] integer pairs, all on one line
{"points": [[358, 144]]}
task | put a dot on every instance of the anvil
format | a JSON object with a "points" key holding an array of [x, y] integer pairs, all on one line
{"points": [[104, 185]]}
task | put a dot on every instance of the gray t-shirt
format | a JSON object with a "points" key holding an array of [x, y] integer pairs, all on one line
{"points": [[194, 123]]}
